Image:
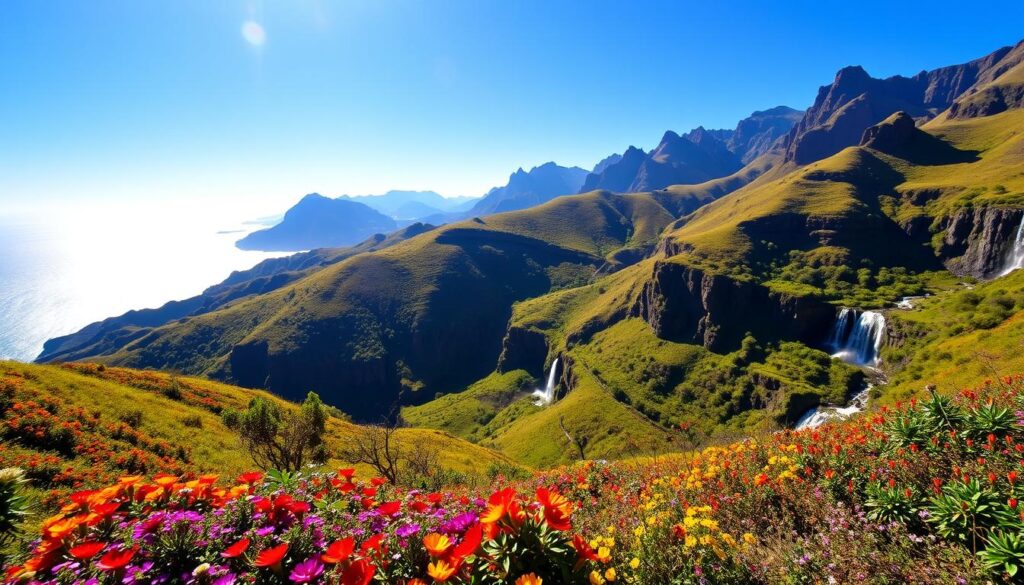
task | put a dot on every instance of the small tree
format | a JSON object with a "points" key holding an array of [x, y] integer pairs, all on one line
{"points": [[375, 445], [284, 441]]}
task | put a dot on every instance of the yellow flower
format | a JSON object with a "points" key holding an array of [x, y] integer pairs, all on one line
{"points": [[595, 578], [633, 564], [749, 538], [709, 523], [604, 554], [691, 541], [610, 574], [529, 579]]}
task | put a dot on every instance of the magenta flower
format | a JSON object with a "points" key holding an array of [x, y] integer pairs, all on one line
{"points": [[307, 571]]}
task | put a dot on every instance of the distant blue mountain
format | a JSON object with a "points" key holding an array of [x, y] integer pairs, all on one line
{"points": [[320, 222]]}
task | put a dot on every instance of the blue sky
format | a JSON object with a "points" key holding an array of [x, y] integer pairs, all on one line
{"points": [[106, 100]]}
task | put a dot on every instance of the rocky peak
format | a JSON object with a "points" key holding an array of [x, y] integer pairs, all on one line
{"points": [[855, 101]]}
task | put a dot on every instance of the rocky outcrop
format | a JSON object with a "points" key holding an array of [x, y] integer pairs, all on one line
{"points": [[685, 304], [892, 134], [523, 349], [978, 239]]}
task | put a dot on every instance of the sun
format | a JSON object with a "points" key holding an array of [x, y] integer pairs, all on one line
{"points": [[253, 33]]}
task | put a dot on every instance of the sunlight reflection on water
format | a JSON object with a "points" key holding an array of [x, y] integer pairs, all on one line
{"points": [[64, 272]]}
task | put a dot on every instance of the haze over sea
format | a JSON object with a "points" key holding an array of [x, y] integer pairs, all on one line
{"points": [[63, 269]]}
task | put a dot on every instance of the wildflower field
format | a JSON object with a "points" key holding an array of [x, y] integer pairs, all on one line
{"points": [[920, 492]]}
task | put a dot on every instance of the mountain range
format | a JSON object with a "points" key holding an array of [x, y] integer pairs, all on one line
{"points": [[695, 157], [698, 284]]}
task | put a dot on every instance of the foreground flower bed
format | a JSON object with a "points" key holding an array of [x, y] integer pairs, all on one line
{"points": [[303, 530], [923, 492]]}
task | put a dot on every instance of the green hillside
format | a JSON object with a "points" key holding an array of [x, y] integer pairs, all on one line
{"points": [[84, 425], [388, 324]]}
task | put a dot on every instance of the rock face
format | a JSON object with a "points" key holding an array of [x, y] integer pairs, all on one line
{"points": [[978, 240], [523, 349], [756, 134], [856, 101], [684, 304]]}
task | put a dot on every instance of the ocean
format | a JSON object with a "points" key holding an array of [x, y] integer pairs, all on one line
{"points": [[62, 271]]}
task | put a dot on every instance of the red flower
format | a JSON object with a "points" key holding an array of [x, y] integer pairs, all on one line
{"points": [[250, 477], [389, 508], [272, 556], [470, 542], [115, 560], [358, 573], [236, 550], [338, 551], [372, 543], [86, 550]]}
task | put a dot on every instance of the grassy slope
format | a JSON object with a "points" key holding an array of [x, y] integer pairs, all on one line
{"points": [[115, 394], [534, 435], [957, 338], [466, 413]]}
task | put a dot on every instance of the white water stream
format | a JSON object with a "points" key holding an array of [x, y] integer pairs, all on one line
{"points": [[547, 395], [1015, 259]]}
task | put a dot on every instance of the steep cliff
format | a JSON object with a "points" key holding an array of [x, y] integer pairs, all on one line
{"points": [[687, 305], [977, 240]]}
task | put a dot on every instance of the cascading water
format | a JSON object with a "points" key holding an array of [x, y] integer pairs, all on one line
{"points": [[1015, 259], [857, 338], [818, 416], [547, 395]]}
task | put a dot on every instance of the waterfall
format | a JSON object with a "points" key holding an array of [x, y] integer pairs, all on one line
{"points": [[547, 395], [818, 416], [1015, 259], [857, 339]]}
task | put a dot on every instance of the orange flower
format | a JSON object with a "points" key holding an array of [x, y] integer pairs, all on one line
{"points": [[440, 571], [529, 579], [557, 509], [437, 545], [61, 528], [165, 480], [760, 479]]}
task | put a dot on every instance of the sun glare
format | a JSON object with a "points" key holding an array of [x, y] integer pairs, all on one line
{"points": [[253, 33]]}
